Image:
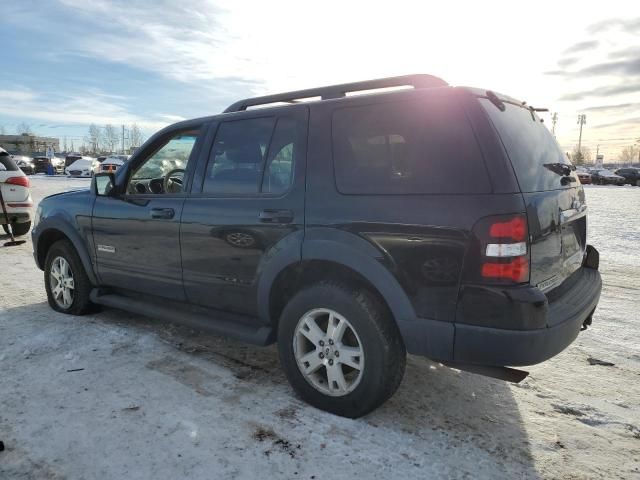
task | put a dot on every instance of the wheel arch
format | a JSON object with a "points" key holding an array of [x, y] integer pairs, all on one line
{"points": [[338, 255], [51, 233]]}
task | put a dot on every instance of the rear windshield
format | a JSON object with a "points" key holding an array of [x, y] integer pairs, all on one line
{"points": [[530, 147], [7, 163], [406, 148]]}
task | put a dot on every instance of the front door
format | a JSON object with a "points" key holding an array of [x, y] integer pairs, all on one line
{"points": [[247, 197], [136, 233]]}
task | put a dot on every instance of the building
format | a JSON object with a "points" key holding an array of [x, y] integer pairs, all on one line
{"points": [[28, 144]]}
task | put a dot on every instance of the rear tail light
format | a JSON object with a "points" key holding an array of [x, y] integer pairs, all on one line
{"points": [[21, 181], [502, 250], [516, 270], [514, 229]]}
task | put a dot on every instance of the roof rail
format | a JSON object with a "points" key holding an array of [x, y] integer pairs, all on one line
{"points": [[339, 91]]}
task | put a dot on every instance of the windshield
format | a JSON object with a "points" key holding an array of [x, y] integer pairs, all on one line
{"points": [[535, 155]]}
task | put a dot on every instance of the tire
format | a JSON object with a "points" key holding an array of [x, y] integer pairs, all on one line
{"points": [[79, 293], [370, 326], [18, 229]]}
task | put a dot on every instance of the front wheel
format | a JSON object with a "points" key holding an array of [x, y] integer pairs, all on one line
{"points": [[66, 281], [340, 348]]}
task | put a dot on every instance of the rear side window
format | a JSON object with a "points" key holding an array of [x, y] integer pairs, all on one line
{"points": [[255, 155], [530, 146], [406, 148]]}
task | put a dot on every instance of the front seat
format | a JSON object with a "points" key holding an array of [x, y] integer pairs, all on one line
{"points": [[244, 173]]}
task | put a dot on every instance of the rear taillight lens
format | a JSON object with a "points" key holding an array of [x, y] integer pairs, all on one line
{"points": [[502, 253], [21, 181], [515, 270], [515, 229]]}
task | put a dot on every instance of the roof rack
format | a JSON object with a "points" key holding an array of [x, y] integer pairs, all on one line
{"points": [[339, 91]]}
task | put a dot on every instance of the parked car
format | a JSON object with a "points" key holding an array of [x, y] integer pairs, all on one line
{"points": [[84, 167], [16, 195], [320, 226], [25, 163], [42, 164], [584, 177], [602, 176], [631, 175], [72, 157], [112, 162]]}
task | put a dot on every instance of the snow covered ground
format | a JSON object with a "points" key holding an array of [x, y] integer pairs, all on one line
{"points": [[115, 395]]}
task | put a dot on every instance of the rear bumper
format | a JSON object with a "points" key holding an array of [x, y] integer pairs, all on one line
{"points": [[541, 325], [565, 317], [16, 216]]}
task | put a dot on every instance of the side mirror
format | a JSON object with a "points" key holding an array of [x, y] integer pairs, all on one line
{"points": [[103, 184]]}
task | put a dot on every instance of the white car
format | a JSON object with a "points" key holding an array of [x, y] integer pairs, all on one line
{"points": [[16, 194], [84, 167], [112, 162]]}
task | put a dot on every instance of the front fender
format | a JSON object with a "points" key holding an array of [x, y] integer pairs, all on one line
{"points": [[61, 221]]}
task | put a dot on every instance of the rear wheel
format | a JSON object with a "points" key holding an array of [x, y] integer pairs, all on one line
{"points": [[340, 348], [18, 229], [66, 281]]}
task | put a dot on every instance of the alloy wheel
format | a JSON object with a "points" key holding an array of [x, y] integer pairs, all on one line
{"points": [[61, 282], [328, 352]]}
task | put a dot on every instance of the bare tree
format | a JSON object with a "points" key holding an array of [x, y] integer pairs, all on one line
{"points": [[94, 138], [64, 145], [135, 136], [581, 156], [24, 129], [111, 137], [630, 154]]}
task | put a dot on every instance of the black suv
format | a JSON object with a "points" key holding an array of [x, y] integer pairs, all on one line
{"points": [[350, 228]]}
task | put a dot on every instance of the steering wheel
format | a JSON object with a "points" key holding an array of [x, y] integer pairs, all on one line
{"points": [[167, 180]]}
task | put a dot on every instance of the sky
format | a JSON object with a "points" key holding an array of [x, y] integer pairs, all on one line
{"points": [[69, 63]]}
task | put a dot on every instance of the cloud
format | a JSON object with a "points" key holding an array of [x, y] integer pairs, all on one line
{"points": [[603, 91], [606, 108], [582, 46], [567, 62], [625, 121], [91, 106], [626, 25], [622, 67]]}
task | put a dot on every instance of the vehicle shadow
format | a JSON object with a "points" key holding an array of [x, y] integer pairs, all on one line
{"points": [[451, 421]]}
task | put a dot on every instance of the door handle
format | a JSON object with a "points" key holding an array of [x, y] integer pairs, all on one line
{"points": [[162, 213], [276, 216]]}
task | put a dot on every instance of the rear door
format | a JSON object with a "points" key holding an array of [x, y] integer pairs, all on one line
{"points": [[247, 196], [553, 195]]}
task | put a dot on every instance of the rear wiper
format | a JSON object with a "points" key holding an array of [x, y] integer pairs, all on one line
{"points": [[563, 169]]}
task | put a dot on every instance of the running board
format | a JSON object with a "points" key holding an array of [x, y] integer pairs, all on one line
{"points": [[501, 373], [207, 320]]}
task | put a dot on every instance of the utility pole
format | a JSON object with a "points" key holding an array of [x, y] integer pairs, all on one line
{"points": [[123, 139], [554, 120], [582, 119]]}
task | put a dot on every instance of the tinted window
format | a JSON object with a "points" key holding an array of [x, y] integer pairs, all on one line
{"points": [[278, 173], [405, 148], [530, 147], [237, 157]]}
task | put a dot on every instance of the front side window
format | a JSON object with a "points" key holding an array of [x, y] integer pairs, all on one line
{"points": [[163, 171]]}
